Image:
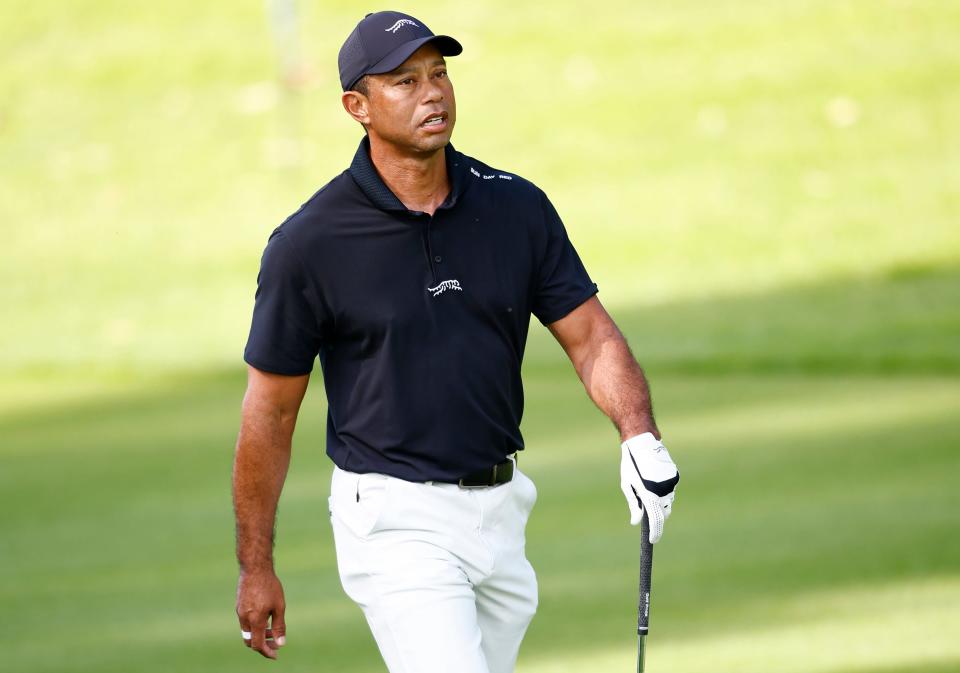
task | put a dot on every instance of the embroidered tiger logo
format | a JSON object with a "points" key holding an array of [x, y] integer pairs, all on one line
{"points": [[452, 284]]}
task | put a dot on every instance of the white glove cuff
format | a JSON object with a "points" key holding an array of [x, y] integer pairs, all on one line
{"points": [[650, 457], [640, 443]]}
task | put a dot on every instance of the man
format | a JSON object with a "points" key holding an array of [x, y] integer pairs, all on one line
{"points": [[413, 276]]}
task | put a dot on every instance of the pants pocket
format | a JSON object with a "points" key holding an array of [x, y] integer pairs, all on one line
{"points": [[359, 500], [528, 488]]}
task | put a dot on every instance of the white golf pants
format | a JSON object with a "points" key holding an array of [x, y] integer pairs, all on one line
{"points": [[439, 570]]}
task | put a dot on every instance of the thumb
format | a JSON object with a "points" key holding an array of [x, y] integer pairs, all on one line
{"points": [[279, 626]]}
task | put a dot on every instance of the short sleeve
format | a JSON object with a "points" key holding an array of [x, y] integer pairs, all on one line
{"points": [[562, 282], [286, 331]]}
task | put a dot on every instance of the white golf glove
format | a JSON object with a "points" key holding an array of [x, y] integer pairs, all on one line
{"points": [[647, 479]]}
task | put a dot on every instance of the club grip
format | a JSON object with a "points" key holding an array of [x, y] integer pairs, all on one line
{"points": [[646, 570]]}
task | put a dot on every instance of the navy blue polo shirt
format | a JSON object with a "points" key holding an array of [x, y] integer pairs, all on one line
{"points": [[419, 321]]}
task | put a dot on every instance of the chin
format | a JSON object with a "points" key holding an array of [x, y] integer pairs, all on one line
{"points": [[439, 142], [431, 143], [417, 143]]}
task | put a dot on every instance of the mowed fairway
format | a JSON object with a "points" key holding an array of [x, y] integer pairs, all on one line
{"points": [[768, 195], [822, 539]]}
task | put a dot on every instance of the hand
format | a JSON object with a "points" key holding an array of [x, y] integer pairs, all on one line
{"points": [[260, 596], [647, 479]]}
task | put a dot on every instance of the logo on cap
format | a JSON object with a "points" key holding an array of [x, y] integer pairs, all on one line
{"points": [[400, 24]]}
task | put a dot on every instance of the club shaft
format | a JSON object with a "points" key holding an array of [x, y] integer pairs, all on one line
{"points": [[643, 610]]}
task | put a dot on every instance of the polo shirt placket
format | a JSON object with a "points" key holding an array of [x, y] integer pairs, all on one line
{"points": [[420, 321]]}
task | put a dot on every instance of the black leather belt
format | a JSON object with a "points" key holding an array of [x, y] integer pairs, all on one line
{"points": [[500, 473]]}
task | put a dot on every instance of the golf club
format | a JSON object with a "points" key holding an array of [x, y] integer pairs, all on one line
{"points": [[643, 611]]}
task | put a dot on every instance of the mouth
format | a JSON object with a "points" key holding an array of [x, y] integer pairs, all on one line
{"points": [[435, 121]]}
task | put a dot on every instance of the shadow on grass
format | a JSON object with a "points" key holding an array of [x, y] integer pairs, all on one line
{"points": [[907, 321], [121, 507], [935, 667]]}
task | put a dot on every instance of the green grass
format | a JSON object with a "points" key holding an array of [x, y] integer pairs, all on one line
{"points": [[766, 193], [692, 151], [814, 513]]}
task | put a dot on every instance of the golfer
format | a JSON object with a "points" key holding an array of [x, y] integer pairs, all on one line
{"points": [[412, 276]]}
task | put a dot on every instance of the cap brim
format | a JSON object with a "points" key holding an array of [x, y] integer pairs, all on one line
{"points": [[446, 44]]}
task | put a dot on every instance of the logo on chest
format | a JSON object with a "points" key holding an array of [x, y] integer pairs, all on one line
{"points": [[444, 286]]}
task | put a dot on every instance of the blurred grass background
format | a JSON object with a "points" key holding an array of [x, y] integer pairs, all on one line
{"points": [[768, 195]]}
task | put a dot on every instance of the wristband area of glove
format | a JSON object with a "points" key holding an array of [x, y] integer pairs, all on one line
{"points": [[641, 442]]}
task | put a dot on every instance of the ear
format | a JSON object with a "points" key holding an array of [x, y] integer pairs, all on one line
{"points": [[357, 106]]}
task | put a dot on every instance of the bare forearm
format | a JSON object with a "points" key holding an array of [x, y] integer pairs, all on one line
{"points": [[259, 469], [616, 383]]}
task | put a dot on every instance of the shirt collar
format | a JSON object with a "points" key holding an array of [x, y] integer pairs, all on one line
{"points": [[365, 175]]}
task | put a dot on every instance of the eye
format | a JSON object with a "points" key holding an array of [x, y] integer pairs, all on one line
{"points": [[442, 74], [408, 80]]}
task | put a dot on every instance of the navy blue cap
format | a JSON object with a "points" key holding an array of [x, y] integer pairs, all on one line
{"points": [[384, 40]]}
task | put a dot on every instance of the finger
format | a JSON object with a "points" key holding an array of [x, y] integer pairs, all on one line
{"points": [[667, 503], [258, 628], [279, 626], [636, 507], [653, 508], [636, 513], [656, 527], [245, 634]]}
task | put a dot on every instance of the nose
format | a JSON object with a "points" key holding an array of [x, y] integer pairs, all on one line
{"points": [[433, 92]]}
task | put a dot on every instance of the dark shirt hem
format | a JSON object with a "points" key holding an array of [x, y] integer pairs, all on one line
{"points": [[274, 369], [554, 316]]}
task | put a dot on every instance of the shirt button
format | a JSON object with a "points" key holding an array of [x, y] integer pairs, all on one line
{"points": [[438, 259]]}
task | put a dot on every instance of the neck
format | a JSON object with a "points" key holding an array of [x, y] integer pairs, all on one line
{"points": [[420, 181]]}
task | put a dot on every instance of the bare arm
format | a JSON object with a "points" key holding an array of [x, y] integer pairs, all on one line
{"points": [[611, 375], [270, 408]]}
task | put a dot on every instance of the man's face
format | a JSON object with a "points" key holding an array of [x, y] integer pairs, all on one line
{"points": [[413, 107]]}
